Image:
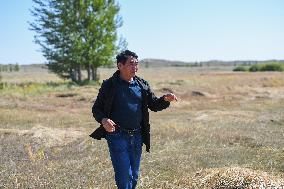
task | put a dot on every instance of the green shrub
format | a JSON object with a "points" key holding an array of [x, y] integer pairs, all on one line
{"points": [[272, 67], [255, 68], [240, 69], [17, 67], [267, 67], [0, 81]]}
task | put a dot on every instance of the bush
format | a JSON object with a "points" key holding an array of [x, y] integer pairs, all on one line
{"points": [[272, 67], [17, 67], [267, 67], [240, 69], [0, 81], [255, 68]]}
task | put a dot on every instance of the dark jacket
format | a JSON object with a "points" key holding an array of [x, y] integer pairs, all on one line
{"points": [[103, 106]]}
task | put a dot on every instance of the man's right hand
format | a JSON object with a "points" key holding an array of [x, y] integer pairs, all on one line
{"points": [[108, 124]]}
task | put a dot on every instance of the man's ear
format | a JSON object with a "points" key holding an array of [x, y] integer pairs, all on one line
{"points": [[119, 65]]}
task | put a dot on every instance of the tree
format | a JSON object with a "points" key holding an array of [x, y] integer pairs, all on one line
{"points": [[10, 67], [1, 68], [17, 67], [76, 35]]}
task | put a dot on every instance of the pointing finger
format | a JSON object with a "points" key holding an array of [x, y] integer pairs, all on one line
{"points": [[175, 97]]}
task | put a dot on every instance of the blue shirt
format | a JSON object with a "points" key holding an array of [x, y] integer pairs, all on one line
{"points": [[127, 105]]}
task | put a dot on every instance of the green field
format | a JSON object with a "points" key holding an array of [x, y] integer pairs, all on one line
{"points": [[226, 130]]}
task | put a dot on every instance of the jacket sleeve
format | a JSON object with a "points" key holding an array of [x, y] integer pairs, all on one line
{"points": [[98, 107], [154, 103]]}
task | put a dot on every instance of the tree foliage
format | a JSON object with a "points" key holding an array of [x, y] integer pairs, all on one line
{"points": [[76, 35], [9, 68], [272, 66]]}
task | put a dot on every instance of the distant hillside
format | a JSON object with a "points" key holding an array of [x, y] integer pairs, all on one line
{"points": [[150, 62], [162, 63]]}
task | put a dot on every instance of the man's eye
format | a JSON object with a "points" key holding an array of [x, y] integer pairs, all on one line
{"points": [[133, 64]]}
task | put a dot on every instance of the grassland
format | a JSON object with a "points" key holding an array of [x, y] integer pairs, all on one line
{"points": [[226, 127]]}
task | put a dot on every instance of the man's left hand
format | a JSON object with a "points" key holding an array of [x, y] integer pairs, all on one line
{"points": [[170, 97]]}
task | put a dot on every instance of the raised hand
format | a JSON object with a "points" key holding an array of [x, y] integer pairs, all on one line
{"points": [[170, 97]]}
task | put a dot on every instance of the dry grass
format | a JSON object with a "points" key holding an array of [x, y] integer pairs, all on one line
{"points": [[235, 178], [226, 131]]}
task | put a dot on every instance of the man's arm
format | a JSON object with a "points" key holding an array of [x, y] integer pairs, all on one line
{"points": [[98, 107], [98, 110], [158, 104]]}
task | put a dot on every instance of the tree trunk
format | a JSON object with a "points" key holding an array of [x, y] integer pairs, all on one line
{"points": [[79, 73], [89, 72], [73, 75], [94, 73]]}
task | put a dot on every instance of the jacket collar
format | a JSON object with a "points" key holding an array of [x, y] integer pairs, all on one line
{"points": [[116, 76]]}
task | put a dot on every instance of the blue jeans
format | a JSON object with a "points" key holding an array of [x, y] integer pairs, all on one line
{"points": [[125, 152]]}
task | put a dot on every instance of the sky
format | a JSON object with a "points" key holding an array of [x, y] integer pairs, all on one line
{"points": [[182, 30]]}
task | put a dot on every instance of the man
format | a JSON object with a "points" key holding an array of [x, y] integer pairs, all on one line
{"points": [[121, 108]]}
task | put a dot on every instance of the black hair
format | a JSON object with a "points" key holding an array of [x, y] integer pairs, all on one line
{"points": [[124, 55]]}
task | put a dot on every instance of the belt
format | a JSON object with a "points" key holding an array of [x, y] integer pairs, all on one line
{"points": [[129, 131]]}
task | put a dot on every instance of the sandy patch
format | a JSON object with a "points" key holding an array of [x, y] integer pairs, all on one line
{"points": [[49, 136]]}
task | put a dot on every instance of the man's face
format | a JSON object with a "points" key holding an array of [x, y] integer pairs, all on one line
{"points": [[130, 67]]}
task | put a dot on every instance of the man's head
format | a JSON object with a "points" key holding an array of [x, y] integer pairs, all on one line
{"points": [[127, 63]]}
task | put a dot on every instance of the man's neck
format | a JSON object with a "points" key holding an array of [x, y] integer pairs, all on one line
{"points": [[125, 78]]}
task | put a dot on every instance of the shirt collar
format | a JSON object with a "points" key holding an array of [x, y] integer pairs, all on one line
{"points": [[126, 82]]}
